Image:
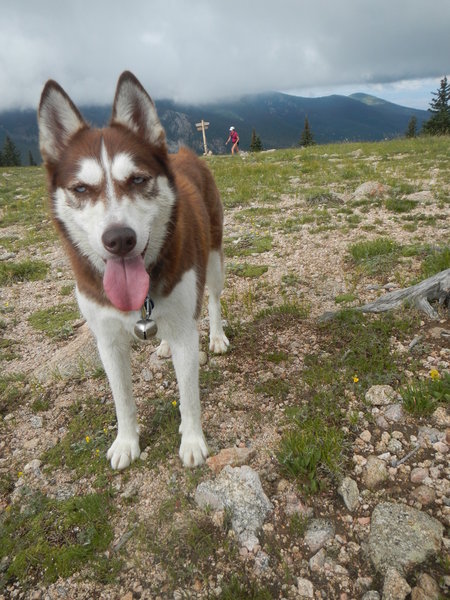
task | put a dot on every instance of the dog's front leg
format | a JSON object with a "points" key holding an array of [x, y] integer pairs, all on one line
{"points": [[113, 344], [193, 449]]}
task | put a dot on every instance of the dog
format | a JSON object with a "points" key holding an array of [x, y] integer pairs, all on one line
{"points": [[141, 228]]}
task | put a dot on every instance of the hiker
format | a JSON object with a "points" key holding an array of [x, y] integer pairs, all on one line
{"points": [[234, 137]]}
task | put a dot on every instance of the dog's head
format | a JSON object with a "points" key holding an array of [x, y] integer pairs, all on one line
{"points": [[111, 189]]}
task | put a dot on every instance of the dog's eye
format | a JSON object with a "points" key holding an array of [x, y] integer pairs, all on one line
{"points": [[80, 189], [138, 180]]}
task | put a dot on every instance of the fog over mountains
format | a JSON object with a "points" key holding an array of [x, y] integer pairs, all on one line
{"points": [[277, 118]]}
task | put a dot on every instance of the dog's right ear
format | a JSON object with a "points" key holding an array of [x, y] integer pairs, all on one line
{"points": [[58, 120]]}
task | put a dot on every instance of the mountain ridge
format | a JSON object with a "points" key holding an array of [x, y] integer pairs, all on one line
{"points": [[277, 118]]}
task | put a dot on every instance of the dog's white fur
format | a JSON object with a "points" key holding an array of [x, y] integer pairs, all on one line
{"points": [[84, 218]]}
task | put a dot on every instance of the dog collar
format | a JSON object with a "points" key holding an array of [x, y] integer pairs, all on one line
{"points": [[146, 328]]}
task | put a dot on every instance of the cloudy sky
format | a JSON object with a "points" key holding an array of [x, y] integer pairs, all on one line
{"points": [[203, 50]]}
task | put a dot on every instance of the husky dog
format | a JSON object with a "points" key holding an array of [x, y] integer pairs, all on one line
{"points": [[140, 227]]}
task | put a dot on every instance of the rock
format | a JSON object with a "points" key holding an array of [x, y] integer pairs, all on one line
{"points": [[230, 456], [423, 196], [424, 494], [381, 395], [78, 354], [318, 533], [202, 358], [128, 596], [429, 435], [402, 537], [370, 189], [441, 417], [350, 493], [395, 586], [239, 491], [371, 595], [374, 472], [36, 421], [305, 588], [317, 561], [394, 413], [418, 474], [427, 589], [395, 446]]}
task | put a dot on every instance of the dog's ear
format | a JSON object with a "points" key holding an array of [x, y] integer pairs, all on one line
{"points": [[134, 109], [58, 120]]}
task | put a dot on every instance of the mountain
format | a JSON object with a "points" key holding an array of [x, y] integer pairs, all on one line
{"points": [[277, 118]]}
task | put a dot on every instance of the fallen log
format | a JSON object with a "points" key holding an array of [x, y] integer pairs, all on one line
{"points": [[420, 295]]}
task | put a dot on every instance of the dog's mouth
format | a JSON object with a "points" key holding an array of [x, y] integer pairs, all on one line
{"points": [[126, 282]]}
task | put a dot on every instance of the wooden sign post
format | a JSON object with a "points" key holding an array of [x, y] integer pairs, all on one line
{"points": [[203, 126]]}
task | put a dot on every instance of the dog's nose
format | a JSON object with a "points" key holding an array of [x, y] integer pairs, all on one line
{"points": [[119, 240]]}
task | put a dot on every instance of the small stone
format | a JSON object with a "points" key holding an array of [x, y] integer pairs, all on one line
{"points": [[305, 588], [374, 472], [366, 436], [147, 375], [371, 595], [394, 413], [440, 447], [318, 533], [350, 493], [418, 474], [230, 456], [424, 494], [441, 417], [381, 395], [36, 421], [202, 358], [395, 446], [317, 561], [427, 588], [129, 596], [395, 586]]}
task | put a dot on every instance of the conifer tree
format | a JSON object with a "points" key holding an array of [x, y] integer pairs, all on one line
{"points": [[306, 139], [255, 143], [31, 160], [11, 156], [439, 123], [411, 132]]}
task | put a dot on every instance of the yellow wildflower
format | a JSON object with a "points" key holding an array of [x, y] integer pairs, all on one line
{"points": [[88, 439], [355, 379], [174, 403], [20, 474], [434, 374]]}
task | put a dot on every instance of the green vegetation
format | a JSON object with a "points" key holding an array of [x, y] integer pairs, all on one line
{"points": [[55, 321], [422, 397], [45, 539], [375, 256], [12, 392], [27, 270], [247, 270]]}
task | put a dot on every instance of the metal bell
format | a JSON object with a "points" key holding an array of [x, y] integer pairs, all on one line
{"points": [[145, 329]]}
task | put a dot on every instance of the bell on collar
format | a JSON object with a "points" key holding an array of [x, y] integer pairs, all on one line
{"points": [[145, 329]]}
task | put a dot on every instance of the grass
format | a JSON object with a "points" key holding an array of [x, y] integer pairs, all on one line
{"points": [[248, 245], [438, 260], [83, 447], [27, 270], [55, 321], [13, 392], [421, 398], [45, 539], [375, 256], [247, 270]]}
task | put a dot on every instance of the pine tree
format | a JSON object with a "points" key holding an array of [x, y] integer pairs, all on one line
{"points": [[11, 156], [306, 139], [439, 123], [411, 132], [255, 143], [31, 160]]}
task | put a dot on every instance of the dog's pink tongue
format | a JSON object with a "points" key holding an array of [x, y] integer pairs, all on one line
{"points": [[126, 282]]}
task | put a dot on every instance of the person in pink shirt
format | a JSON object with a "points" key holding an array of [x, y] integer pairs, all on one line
{"points": [[234, 138]]}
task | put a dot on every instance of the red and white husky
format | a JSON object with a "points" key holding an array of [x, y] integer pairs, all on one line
{"points": [[136, 222]]}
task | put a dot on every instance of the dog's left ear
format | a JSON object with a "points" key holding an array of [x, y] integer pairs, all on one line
{"points": [[134, 109]]}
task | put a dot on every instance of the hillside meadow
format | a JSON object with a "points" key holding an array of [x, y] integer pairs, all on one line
{"points": [[301, 238]]}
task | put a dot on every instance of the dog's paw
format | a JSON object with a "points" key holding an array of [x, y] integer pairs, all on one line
{"points": [[123, 452], [163, 350], [193, 450], [219, 344]]}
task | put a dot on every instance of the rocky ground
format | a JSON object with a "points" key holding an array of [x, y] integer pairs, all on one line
{"points": [[242, 526]]}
